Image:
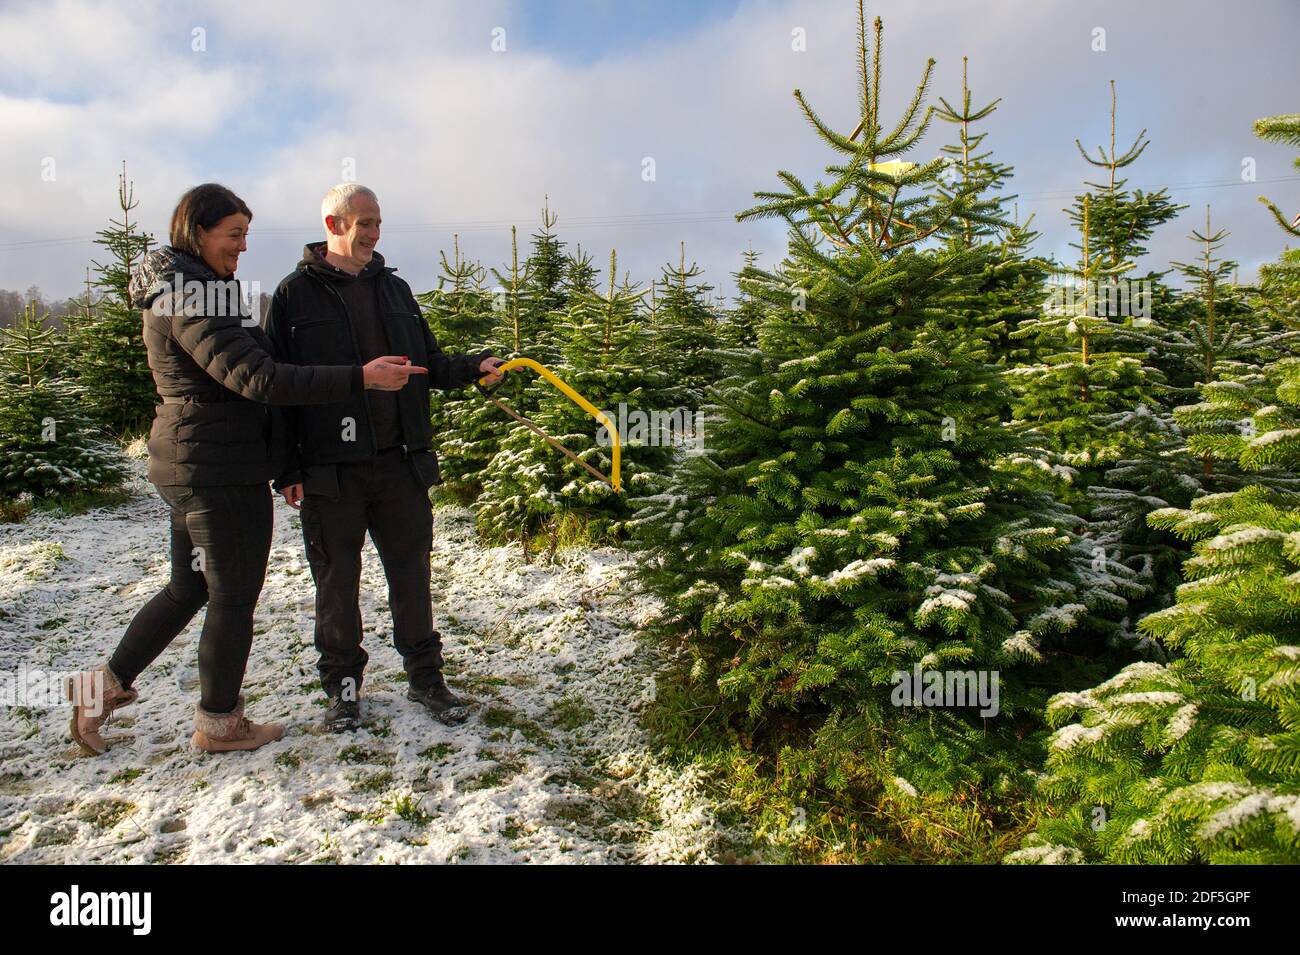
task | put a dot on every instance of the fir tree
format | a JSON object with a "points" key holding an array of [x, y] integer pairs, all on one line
{"points": [[738, 328], [1279, 291], [1198, 760], [1010, 289], [686, 329], [973, 173], [47, 445], [1281, 129], [535, 292], [463, 316], [530, 486], [1212, 329], [108, 352], [847, 520], [1096, 396]]}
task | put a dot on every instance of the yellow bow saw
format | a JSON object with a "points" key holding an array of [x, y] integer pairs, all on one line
{"points": [[612, 480]]}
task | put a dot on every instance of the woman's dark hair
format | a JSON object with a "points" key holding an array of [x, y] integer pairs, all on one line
{"points": [[202, 207]]}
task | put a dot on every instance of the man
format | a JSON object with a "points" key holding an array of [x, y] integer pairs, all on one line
{"points": [[367, 463]]}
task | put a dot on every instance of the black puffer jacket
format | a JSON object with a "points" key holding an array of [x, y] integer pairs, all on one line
{"points": [[216, 377]]}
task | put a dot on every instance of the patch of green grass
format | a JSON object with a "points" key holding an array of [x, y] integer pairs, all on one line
{"points": [[511, 828], [375, 816], [769, 779], [34, 560], [571, 810], [126, 776], [15, 510], [289, 760], [505, 766], [356, 755], [437, 751], [408, 808], [373, 782], [105, 813], [477, 684], [570, 713], [498, 716]]}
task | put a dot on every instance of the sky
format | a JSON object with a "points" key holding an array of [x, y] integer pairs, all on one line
{"points": [[467, 118]]}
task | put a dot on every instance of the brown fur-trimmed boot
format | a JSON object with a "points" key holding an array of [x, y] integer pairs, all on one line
{"points": [[94, 695], [224, 732]]}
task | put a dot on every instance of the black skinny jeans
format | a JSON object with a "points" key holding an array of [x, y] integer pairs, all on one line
{"points": [[220, 541]]}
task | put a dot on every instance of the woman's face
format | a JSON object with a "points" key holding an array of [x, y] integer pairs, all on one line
{"points": [[222, 244]]}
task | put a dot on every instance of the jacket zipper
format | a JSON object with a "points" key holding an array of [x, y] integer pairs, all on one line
{"points": [[356, 353]]}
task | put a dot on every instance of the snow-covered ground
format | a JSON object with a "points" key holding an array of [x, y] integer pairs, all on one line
{"points": [[551, 767]]}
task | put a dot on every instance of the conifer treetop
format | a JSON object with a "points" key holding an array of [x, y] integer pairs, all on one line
{"points": [[863, 207]]}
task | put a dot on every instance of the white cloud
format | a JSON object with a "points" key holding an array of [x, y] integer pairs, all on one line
{"points": [[451, 134]]}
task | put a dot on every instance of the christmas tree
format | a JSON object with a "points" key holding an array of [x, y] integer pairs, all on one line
{"points": [[1095, 390], [847, 520], [970, 172], [534, 292], [686, 330], [1009, 291], [1198, 760], [1281, 129], [738, 327], [529, 486], [47, 445], [108, 352], [463, 315]]}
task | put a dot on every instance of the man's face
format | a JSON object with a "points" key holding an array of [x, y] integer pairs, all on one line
{"points": [[357, 233]]}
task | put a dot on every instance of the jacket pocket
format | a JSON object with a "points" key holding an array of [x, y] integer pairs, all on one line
{"points": [[175, 495], [425, 465], [321, 479], [320, 340], [405, 335]]}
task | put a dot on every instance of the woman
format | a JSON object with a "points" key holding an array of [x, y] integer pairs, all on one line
{"points": [[213, 448]]}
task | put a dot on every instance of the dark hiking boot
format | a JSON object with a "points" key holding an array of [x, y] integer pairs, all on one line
{"points": [[343, 716], [443, 705]]}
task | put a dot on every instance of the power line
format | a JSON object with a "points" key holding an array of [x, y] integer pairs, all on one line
{"points": [[678, 217]]}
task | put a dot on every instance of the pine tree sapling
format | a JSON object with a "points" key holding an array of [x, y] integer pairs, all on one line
{"points": [[108, 352], [465, 317], [602, 348], [47, 445]]}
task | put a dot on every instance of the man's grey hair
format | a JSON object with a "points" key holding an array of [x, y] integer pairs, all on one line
{"points": [[338, 201]]}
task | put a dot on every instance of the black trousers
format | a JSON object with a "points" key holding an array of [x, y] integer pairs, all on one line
{"points": [[381, 495], [220, 541]]}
